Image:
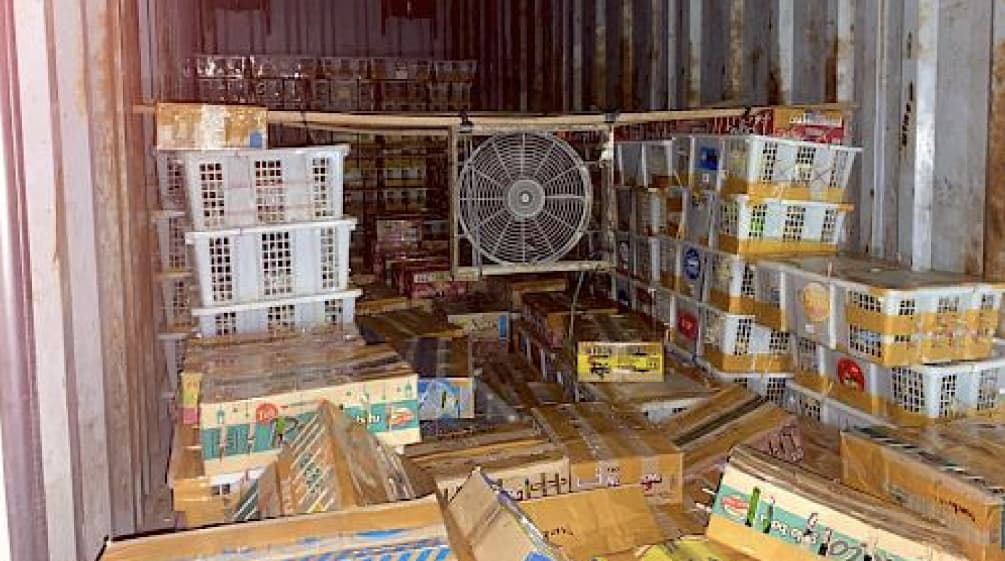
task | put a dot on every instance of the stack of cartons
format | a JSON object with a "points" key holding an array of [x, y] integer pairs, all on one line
{"points": [[880, 344], [696, 213], [438, 350], [242, 400]]}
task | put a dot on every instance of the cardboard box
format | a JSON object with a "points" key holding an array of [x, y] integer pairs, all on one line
{"points": [[491, 525], [435, 357], [446, 398], [656, 401], [512, 289], [512, 378], [548, 313], [690, 548], [332, 464], [514, 456], [245, 414], [950, 474], [595, 523], [607, 449], [483, 318], [404, 325], [617, 348], [771, 510], [201, 500], [197, 126], [708, 431], [411, 529]]}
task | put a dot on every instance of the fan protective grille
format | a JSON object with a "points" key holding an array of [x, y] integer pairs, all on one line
{"points": [[525, 198]]}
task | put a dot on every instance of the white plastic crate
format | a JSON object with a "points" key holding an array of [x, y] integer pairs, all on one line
{"points": [[674, 206], [279, 316], [630, 166], [691, 270], [806, 402], [622, 289], [729, 283], [751, 226], [668, 163], [176, 297], [934, 391], [664, 307], [884, 312], [236, 188], [647, 259], [268, 263], [769, 385], [669, 261], [807, 357], [785, 168], [624, 253], [687, 325], [768, 296], [650, 212], [172, 225], [707, 162], [171, 182], [700, 215], [737, 343]]}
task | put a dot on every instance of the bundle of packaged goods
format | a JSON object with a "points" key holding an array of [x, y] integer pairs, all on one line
{"points": [[485, 319], [732, 416], [893, 345], [950, 474], [615, 348], [771, 510], [607, 448], [252, 397], [333, 463], [515, 456]]}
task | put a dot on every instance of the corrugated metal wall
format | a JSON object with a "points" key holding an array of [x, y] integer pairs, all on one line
{"points": [[552, 55]]}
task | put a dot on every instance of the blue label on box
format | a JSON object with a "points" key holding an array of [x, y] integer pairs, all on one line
{"points": [[692, 264]]}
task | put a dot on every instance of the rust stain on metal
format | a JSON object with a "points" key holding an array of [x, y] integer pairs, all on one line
{"points": [[994, 213], [905, 124]]}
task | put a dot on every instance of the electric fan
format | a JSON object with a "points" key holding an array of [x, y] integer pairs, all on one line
{"points": [[525, 198]]}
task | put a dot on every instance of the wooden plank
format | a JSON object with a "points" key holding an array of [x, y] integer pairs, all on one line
{"points": [[600, 55], [994, 214], [42, 178], [93, 510]]}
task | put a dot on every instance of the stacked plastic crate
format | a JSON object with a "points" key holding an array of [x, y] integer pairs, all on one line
{"points": [[696, 213], [266, 237], [879, 344]]}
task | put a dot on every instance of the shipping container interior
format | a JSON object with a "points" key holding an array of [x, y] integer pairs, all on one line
{"points": [[85, 391]]}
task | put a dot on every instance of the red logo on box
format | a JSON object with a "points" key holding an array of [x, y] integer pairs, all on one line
{"points": [[687, 324]]}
